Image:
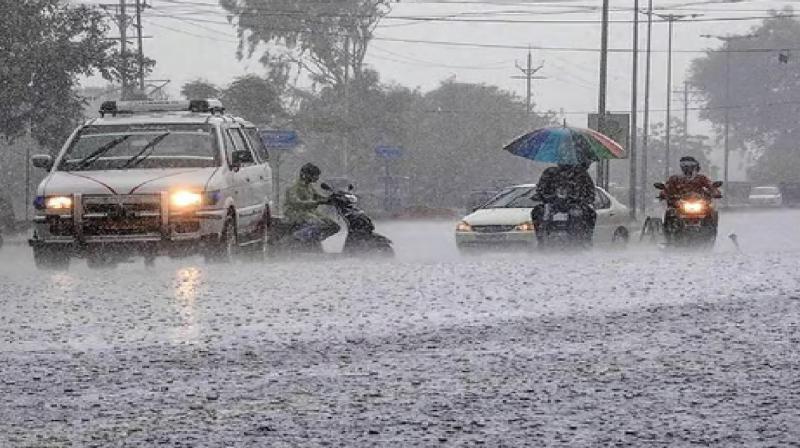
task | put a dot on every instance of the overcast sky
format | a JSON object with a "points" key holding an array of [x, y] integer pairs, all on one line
{"points": [[191, 39]]}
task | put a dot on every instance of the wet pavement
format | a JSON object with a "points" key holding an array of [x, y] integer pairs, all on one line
{"points": [[609, 348]]}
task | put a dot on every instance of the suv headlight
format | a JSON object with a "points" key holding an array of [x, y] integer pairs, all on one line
{"points": [[186, 199], [58, 202]]}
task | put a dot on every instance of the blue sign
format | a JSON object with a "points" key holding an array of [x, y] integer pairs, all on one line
{"points": [[389, 152], [279, 139]]}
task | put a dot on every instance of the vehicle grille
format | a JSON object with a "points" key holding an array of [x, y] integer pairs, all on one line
{"points": [[121, 215], [493, 229]]}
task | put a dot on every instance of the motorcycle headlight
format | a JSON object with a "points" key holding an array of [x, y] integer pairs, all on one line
{"points": [[186, 199], [58, 202], [693, 207], [525, 227], [463, 227]]}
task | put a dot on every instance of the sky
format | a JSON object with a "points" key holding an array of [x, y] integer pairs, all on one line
{"points": [[192, 39]]}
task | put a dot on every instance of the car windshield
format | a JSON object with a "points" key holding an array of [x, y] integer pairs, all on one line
{"points": [[513, 198], [765, 190], [115, 147]]}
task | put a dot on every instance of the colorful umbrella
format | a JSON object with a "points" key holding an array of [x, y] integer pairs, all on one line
{"points": [[566, 145]]}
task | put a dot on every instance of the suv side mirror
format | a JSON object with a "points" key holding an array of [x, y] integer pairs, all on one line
{"points": [[350, 187], [659, 185], [239, 158], [42, 161], [717, 184]]}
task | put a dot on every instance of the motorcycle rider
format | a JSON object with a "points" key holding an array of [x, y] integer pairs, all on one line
{"points": [[691, 181], [581, 190], [300, 209]]}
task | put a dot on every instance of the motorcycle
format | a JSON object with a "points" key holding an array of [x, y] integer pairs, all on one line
{"points": [[562, 221], [691, 218], [361, 236]]}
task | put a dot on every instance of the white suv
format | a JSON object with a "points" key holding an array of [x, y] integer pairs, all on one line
{"points": [[150, 178]]}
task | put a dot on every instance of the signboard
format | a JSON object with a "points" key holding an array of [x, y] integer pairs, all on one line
{"points": [[616, 126], [389, 152], [279, 139]]}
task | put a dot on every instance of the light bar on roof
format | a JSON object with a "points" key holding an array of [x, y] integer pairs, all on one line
{"points": [[132, 107]]}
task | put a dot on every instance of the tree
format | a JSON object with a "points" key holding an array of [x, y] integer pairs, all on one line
{"points": [[763, 93], [329, 40], [45, 45], [199, 89], [254, 98]]}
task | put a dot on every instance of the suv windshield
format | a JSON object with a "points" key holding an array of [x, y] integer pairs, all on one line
{"points": [[513, 198], [115, 147]]}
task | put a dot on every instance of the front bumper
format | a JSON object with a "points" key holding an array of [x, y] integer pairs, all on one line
{"points": [[513, 238], [150, 224]]}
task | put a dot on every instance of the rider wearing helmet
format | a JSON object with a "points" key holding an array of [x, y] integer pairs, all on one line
{"points": [[690, 181], [581, 189], [301, 204]]}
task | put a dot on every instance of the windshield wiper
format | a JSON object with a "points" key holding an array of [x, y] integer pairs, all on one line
{"points": [[135, 160], [91, 158]]}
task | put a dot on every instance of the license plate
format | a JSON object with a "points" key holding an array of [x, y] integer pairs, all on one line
{"points": [[560, 217]]}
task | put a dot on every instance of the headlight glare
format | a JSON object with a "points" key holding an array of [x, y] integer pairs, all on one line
{"points": [[692, 207], [58, 202], [463, 227], [186, 199], [525, 227]]}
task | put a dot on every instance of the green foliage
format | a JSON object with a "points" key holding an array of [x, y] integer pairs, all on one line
{"points": [[763, 95], [198, 89], [45, 45], [327, 39], [254, 98]]}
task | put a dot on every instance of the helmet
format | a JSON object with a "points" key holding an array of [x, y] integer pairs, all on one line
{"points": [[689, 165], [310, 172]]}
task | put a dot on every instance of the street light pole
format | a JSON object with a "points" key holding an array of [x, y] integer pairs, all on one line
{"points": [[634, 112], [669, 101], [601, 101], [646, 124]]}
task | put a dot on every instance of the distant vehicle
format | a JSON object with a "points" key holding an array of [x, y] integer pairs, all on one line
{"points": [[765, 196], [151, 178], [505, 220]]}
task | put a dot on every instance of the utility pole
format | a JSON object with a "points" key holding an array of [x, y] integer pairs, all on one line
{"points": [[123, 47], [646, 124], [140, 4], [728, 42], [634, 113], [601, 101], [670, 18], [529, 73], [123, 21]]}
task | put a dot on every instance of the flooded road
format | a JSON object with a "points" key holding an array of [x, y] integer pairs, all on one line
{"points": [[629, 348]]}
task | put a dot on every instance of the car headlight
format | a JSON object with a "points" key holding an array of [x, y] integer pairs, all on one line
{"points": [[463, 227], [58, 202], [693, 207], [525, 227], [186, 199]]}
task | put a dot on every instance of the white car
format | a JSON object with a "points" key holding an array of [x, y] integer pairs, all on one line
{"points": [[150, 178], [767, 196], [506, 220]]}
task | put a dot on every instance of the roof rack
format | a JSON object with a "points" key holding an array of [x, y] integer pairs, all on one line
{"points": [[209, 105]]}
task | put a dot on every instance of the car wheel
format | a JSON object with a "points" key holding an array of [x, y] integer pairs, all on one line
{"points": [[51, 258], [224, 248]]}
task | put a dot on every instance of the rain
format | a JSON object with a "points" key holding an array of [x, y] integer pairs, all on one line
{"points": [[431, 223]]}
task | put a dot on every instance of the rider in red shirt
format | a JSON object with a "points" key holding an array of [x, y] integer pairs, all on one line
{"points": [[690, 182]]}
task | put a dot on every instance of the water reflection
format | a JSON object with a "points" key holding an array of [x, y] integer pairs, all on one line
{"points": [[187, 284]]}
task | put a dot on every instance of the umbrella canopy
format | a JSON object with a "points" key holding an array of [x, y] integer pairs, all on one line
{"points": [[565, 145]]}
